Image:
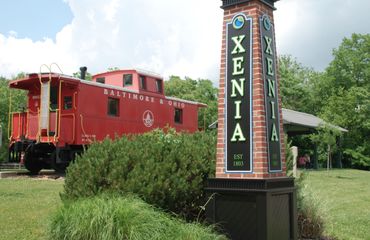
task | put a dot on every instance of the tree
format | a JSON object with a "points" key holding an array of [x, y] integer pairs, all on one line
{"points": [[201, 90], [88, 75], [346, 81], [111, 69], [18, 100], [296, 85], [351, 64], [326, 137]]}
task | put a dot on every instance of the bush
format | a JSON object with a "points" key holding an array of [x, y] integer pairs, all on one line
{"points": [[112, 217], [310, 223], [357, 159], [168, 170]]}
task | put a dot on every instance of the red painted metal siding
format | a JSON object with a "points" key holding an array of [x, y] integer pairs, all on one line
{"points": [[83, 110]]}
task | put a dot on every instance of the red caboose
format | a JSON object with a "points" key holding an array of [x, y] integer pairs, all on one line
{"points": [[65, 113]]}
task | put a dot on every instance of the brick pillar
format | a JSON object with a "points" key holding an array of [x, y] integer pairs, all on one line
{"points": [[251, 197], [253, 10]]}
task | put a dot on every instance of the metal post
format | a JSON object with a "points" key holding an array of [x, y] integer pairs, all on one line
{"points": [[294, 150]]}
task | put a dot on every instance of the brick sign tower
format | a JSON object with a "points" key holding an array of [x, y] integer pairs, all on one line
{"points": [[251, 196]]}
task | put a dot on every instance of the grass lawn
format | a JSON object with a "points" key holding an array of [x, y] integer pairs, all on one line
{"points": [[343, 195], [26, 206], [344, 201]]}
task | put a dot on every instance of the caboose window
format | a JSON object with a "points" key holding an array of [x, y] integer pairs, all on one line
{"points": [[158, 84], [142, 82], [127, 80], [67, 103], [100, 80], [178, 115], [113, 107]]}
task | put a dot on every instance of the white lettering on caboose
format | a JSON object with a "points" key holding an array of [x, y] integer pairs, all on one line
{"points": [[142, 98]]}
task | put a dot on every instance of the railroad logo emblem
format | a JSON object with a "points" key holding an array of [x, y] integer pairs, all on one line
{"points": [[148, 118]]}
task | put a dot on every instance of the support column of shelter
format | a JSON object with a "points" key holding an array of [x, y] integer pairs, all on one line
{"points": [[251, 196]]}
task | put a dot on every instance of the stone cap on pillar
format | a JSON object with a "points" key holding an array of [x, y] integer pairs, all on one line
{"points": [[228, 3]]}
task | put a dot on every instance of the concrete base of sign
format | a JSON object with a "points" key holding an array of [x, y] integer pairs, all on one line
{"points": [[253, 209]]}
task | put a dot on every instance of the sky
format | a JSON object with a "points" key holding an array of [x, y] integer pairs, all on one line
{"points": [[169, 37]]}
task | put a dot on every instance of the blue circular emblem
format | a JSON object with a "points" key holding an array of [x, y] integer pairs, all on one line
{"points": [[266, 23], [238, 22]]}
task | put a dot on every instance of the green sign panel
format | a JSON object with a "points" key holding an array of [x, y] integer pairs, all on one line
{"points": [[238, 95], [271, 94]]}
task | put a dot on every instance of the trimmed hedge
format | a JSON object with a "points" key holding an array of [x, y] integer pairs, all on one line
{"points": [[112, 217], [166, 169]]}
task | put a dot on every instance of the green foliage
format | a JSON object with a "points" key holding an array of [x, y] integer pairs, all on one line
{"points": [[295, 85], [349, 103], [168, 170], [88, 75], [112, 217], [200, 90], [358, 159], [111, 69], [310, 222], [18, 104], [327, 137], [351, 64], [340, 95]]}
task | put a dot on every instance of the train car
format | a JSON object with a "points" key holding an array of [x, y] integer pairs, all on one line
{"points": [[64, 114]]}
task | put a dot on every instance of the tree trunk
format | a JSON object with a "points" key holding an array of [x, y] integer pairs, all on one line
{"points": [[328, 161]]}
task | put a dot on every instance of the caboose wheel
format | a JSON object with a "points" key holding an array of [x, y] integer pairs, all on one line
{"points": [[32, 164]]}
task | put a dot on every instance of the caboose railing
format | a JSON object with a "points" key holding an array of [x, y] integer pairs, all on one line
{"points": [[17, 125], [59, 108], [10, 112]]}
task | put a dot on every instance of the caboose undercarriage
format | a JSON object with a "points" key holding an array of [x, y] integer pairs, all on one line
{"points": [[37, 156]]}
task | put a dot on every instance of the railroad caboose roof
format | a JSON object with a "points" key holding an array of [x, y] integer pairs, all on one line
{"points": [[139, 71], [34, 78]]}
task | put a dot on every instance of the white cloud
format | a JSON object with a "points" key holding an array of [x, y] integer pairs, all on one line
{"points": [[176, 37], [310, 30], [168, 37]]}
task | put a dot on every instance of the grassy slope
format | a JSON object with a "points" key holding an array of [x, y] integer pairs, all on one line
{"points": [[344, 197], [26, 206]]}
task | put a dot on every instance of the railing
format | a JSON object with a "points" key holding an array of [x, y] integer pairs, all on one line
{"points": [[29, 120], [27, 124], [17, 125]]}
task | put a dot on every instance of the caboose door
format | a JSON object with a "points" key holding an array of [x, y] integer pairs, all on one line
{"points": [[67, 114]]}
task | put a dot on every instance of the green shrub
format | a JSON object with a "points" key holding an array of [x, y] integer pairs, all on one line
{"points": [[112, 217], [310, 222], [357, 159], [168, 170]]}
